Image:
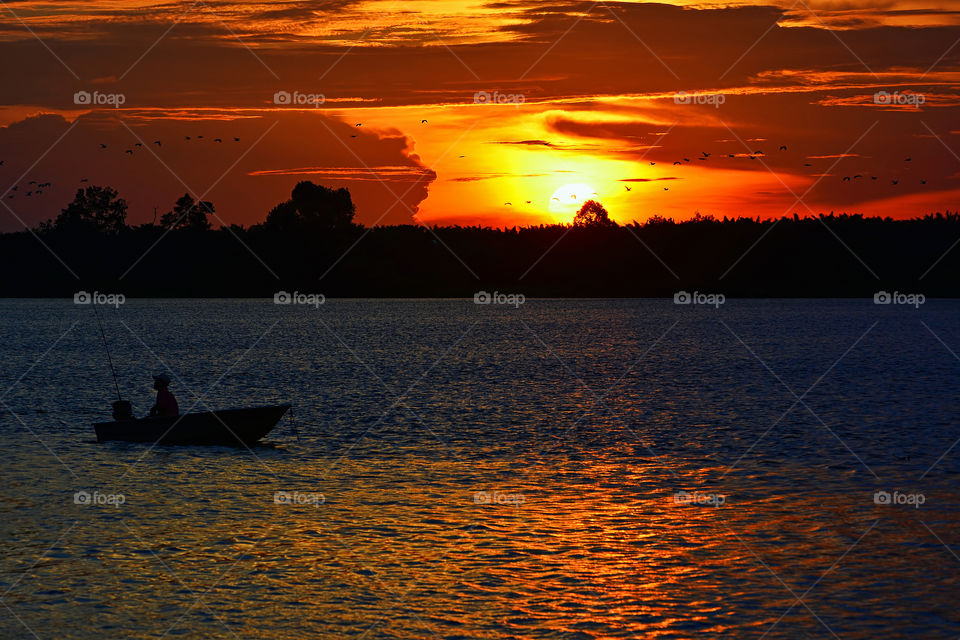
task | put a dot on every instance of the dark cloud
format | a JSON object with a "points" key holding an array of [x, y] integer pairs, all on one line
{"points": [[243, 178]]}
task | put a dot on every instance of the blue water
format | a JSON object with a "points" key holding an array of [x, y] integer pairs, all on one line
{"points": [[466, 471]]}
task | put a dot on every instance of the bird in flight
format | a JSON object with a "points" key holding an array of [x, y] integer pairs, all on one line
{"points": [[895, 181], [652, 163], [358, 124], [508, 204], [677, 162], [130, 151], [557, 199], [423, 122], [236, 139], [157, 142], [627, 188], [217, 140], [783, 147], [138, 144], [103, 146]]}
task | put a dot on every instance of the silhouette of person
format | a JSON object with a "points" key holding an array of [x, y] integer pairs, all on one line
{"points": [[166, 404]]}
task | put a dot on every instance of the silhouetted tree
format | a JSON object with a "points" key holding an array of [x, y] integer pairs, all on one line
{"points": [[188, 214], [657, 219], [314, 206], [283, 217], [94, 208], [771, 258], [592, 214]]}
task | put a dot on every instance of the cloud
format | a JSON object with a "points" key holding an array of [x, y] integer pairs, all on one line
{"points": [[494, 176], [243, 178], [540, 143]]}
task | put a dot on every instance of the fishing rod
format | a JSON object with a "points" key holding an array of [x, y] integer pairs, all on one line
{"points": [[106, 348]]}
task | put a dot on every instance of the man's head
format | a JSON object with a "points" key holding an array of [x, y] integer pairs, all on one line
{"points": [[161, 381]]}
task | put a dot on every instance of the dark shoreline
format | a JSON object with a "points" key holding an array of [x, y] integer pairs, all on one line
{"points": [[825, 257]]}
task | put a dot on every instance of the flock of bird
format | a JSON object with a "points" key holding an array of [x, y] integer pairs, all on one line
{"points": [[755, 155], [34, 187], [758, 154], [159, 143], [31, 188]]}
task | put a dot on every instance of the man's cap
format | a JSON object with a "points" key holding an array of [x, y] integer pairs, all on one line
{"points": [[162, 377]]}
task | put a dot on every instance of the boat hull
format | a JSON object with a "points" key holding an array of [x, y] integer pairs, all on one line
{"points": [[230, 427]]}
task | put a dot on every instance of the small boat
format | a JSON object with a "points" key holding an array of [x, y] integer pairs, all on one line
{"points": [[230, 427]]}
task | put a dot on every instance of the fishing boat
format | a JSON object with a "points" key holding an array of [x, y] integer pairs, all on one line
{"points": [[230, 427]]}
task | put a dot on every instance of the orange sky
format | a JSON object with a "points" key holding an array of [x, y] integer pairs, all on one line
{"points": [[530, 108]]}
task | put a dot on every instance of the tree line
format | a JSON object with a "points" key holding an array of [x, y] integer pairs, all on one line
{"points": [[311, 243]]}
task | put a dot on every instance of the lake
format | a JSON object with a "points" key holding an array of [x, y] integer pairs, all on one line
{"points": [[552, 469]]}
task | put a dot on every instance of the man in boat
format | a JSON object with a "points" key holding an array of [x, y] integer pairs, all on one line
{"points": [[166, 403]]}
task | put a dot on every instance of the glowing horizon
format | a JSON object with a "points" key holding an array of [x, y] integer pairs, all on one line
{"points": [[465, 107]]}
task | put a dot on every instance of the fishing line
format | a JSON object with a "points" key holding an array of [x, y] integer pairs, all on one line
{"points": [[106, 348]]}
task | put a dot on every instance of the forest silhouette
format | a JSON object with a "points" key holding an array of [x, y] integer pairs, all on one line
{"points": [[311, 243]]}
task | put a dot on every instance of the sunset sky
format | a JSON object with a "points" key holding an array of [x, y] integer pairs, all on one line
{"points": [[539, 105]]}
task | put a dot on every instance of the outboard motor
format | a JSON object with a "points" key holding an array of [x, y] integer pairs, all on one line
{"points": [[122, 410]]}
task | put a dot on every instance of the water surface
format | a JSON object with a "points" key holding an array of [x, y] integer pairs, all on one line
{"points": [[470, 471]]}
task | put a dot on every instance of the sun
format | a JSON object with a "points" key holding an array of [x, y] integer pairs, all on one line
{"points": [[568, 199]]}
